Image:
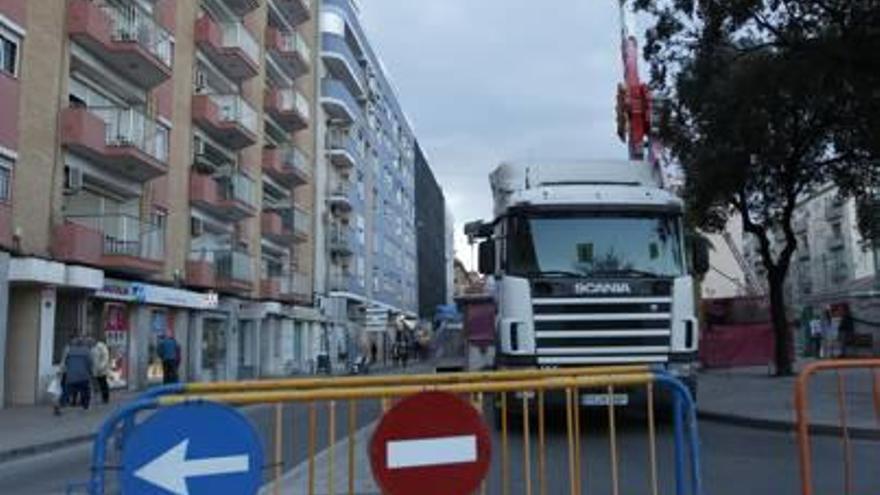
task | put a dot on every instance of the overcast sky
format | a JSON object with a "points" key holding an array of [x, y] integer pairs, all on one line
{"points": [[489, 80]]}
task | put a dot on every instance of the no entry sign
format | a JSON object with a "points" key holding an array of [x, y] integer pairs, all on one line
{"points": [[432, 443]]}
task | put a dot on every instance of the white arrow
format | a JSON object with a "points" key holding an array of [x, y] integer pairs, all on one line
{"points": [[171, 469]]}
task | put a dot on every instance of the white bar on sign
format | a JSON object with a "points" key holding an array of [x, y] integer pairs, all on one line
{"points": [[431, 451]]}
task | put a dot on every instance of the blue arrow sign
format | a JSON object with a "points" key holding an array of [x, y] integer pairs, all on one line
{"points": [[193, 449]]}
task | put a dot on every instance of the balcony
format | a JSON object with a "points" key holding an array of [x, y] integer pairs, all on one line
{"points": [[288, 107], [833, 209], [234, 271], [123, 140], [341, 240], [342, 64], [835, 243], [291, 50], [344, 282], [296, 287], [302, 224], [242, 8], [343, 149], [229, 119], [338, 102], [287, 165], [200, 272], [339, 198], [230, 46], [294, 11], [270, 287], [277, 226], [128, 39], [231, 197], [114, 242]]}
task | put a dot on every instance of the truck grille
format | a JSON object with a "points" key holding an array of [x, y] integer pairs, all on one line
{"points": [[574, 331]]}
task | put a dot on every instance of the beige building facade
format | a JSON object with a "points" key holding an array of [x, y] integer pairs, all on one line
{"points": [[160, 179]]}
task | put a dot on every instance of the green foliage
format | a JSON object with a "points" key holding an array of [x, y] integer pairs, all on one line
{"points": [[767, 100]]}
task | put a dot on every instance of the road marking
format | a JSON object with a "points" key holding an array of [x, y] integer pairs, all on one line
{"points": [[171, 469], [403, 454]]}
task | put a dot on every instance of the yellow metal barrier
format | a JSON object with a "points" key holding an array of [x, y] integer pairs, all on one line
{"points": [[524, 443]]}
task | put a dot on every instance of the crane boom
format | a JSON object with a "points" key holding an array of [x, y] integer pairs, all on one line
{"points": [[753, 285], [634, 97]]}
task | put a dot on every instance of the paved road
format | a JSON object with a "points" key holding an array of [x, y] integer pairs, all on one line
{"points": [[736, 460]]}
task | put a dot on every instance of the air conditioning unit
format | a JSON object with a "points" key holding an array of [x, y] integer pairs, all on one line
{"points": [[73, 180], [196, 227]]}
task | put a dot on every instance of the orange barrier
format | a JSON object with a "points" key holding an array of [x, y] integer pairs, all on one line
{"points": [[801, 403]]}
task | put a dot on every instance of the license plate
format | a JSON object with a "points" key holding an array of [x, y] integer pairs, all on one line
{"points": [[598, 400]]}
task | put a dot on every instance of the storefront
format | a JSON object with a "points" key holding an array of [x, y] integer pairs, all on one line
{"points": [[131, 318]]}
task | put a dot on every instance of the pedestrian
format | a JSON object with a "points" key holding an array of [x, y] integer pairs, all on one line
{"points": [[77, 365], [816, 337], [847, 329], [374, 351], [404, 351], [829, 335], [169, 352], [101, 368]]}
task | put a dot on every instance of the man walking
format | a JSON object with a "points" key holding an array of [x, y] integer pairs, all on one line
{"points": [[100, 368], [169, 353]]}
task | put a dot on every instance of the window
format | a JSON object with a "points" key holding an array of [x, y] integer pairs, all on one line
{"points": [[5, 180], [10, 46]]}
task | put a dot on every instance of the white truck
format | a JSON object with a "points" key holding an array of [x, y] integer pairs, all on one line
{"points": [[590, 267]]}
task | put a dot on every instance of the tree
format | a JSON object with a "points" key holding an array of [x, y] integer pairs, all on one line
{"points": [[766, 102]]}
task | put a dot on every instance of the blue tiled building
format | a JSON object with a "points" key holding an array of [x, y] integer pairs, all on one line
{"points": [[370, 151]]}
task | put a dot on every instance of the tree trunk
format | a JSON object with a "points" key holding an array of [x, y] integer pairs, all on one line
{"points": [[781, 332]]}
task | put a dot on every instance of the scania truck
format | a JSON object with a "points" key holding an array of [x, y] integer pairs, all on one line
{"points": [[590, 266]]}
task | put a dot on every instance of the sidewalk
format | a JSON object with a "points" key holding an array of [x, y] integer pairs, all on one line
{"points": [[32, 430], [752, 397]]}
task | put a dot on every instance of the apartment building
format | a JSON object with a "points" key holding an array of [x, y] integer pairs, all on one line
{"points": [[162, 159], [370, 204], [833, 263], [431, 238]]}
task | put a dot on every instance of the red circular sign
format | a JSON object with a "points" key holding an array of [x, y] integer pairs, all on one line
{"points": [[432, 443]]}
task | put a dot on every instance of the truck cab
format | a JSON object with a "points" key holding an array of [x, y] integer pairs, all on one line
{"points": [[590, 267]]}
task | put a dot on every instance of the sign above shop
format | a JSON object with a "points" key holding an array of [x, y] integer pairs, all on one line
{"points": [[121, 290]]}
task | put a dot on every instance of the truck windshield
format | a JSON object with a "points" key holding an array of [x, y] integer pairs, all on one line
{"points": [[595, 245]]}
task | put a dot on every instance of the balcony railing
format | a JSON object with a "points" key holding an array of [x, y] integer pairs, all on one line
{"points": [[132, 23], [344, 149], [342, 63], [236, 35], [339, 102], [302, 222], [342, 282], [125, 235], [131, 127], [237, 187], [233, 108], [289, 107], [233, 265]]}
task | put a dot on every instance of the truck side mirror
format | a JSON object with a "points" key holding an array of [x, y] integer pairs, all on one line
{"points": [[487, 257], [700, 256]]}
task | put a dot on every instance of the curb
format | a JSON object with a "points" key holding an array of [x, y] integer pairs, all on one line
{"points": [[20, 453], [786, 426]]}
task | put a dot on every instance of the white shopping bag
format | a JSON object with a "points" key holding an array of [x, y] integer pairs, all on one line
{"points": [[54, 388]]}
